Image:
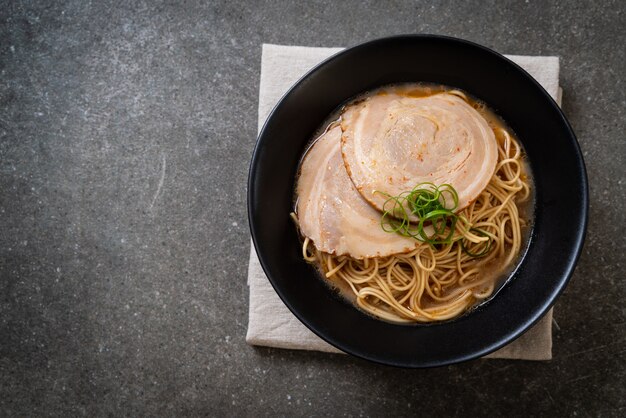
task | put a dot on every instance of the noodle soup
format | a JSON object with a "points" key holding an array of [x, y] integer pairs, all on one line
{"points": [[415, 201]]}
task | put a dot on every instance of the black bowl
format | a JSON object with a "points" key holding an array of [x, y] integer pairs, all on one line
{"points": [[555, 159]]}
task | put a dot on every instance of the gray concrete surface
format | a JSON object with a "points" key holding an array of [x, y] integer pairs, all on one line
{"points": [[126, 130]]}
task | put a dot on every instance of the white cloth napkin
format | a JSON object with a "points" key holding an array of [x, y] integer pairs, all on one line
{"points": [[270, 322]]}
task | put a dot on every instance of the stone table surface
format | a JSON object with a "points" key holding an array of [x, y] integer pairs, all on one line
{"points": [[126, 130]]}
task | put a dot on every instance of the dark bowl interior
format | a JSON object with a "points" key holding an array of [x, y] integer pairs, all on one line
{"points": [[556, 162]]}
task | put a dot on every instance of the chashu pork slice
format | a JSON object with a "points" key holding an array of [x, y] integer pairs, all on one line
{"points": [[333, 214], [391, 143]]}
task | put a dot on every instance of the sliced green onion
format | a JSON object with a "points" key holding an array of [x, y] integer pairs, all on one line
{"points": [[434, 207], [482, 250]]}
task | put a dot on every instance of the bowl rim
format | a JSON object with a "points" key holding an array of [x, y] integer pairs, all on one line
{"points": [[579, 236]]}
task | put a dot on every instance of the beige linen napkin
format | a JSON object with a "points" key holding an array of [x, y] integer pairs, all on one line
{"points": [[270, 322]]}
